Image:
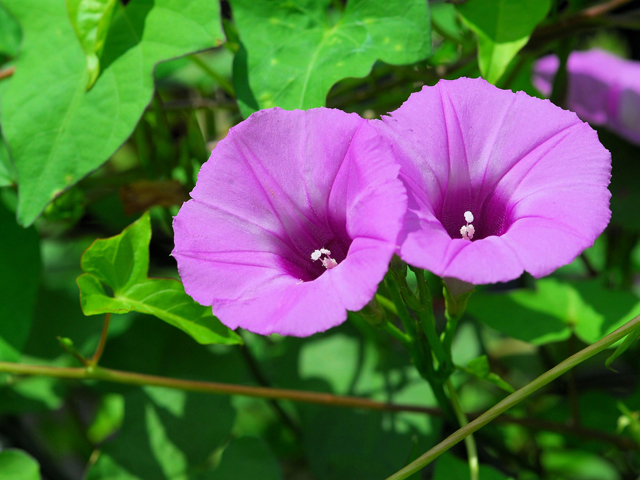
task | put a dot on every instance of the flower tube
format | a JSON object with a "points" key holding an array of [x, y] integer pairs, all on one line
{"points": [[602, 89], [497, 182], [292, 222]]}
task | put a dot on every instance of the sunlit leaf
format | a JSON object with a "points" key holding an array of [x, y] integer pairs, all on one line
{"points": [[165, 434], [56, 131], [17, 465], [296, 50], [91, 20], [555, 309], [121, 263], [503, 27], [479, 367], [9, 34]]}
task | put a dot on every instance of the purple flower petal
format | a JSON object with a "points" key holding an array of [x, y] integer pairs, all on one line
{"points": [[533, 175], [602, 89], [280, 186]]}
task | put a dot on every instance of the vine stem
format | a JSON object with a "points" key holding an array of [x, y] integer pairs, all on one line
{"points": [[515, 398], [6, 73], [116, 376], [470, 443]]}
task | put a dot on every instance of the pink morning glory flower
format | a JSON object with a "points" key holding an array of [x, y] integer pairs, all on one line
{"points": [[292, 222], [602, 89], [498, 182]]}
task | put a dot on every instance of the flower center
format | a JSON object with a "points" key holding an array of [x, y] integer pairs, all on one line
{"points": [[467, 231], [327, 262]]}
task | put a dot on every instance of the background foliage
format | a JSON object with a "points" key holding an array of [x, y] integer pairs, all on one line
{"points": [[108, 108]]}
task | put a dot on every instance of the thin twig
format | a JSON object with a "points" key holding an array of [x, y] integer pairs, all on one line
{"points": [[7, 72], [103, 340], [117, 376]]}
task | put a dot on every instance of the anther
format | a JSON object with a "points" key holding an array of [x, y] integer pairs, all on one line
{"points": [[327, 262], [467, 231]]}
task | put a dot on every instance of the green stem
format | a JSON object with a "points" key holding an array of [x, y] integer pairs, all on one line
{"points": [[450, 331], [428, 321], [387, 304], [396, 333], [403, 313], [223, 82], [470, 443], [515, 398]]}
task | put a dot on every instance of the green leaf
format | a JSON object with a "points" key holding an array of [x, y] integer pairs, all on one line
{"points": [[503, 27], [555, 309], [17, 465], [121, 263], [90, 20], [165, 435], [479, 367], [55, 130], [247, 458], [629, 339], [294, 54], [9, 34], [108, 418], [19, 280]]}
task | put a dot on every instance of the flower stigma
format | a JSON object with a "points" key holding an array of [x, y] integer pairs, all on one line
{"points": [[327, 262], [467, 231]]}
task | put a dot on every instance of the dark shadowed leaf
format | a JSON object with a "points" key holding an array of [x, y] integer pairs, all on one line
{"points": [[246, 458], [121, 263], [449, 467], [56, 131], [19, 279], [294, 53]]}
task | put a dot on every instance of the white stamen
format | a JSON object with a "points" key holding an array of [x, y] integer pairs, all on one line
{"points": [[327, 262], [470, 231], [467, 231], [468, 216]]}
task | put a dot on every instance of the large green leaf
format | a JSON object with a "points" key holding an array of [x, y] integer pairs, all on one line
{"points": [[19, 279], [121, 263], [17, 465], [91, 20], [7, 172], [166, 434], [503, 27], [9, 34], [555, 309], [294, 54], [56, 131]]}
